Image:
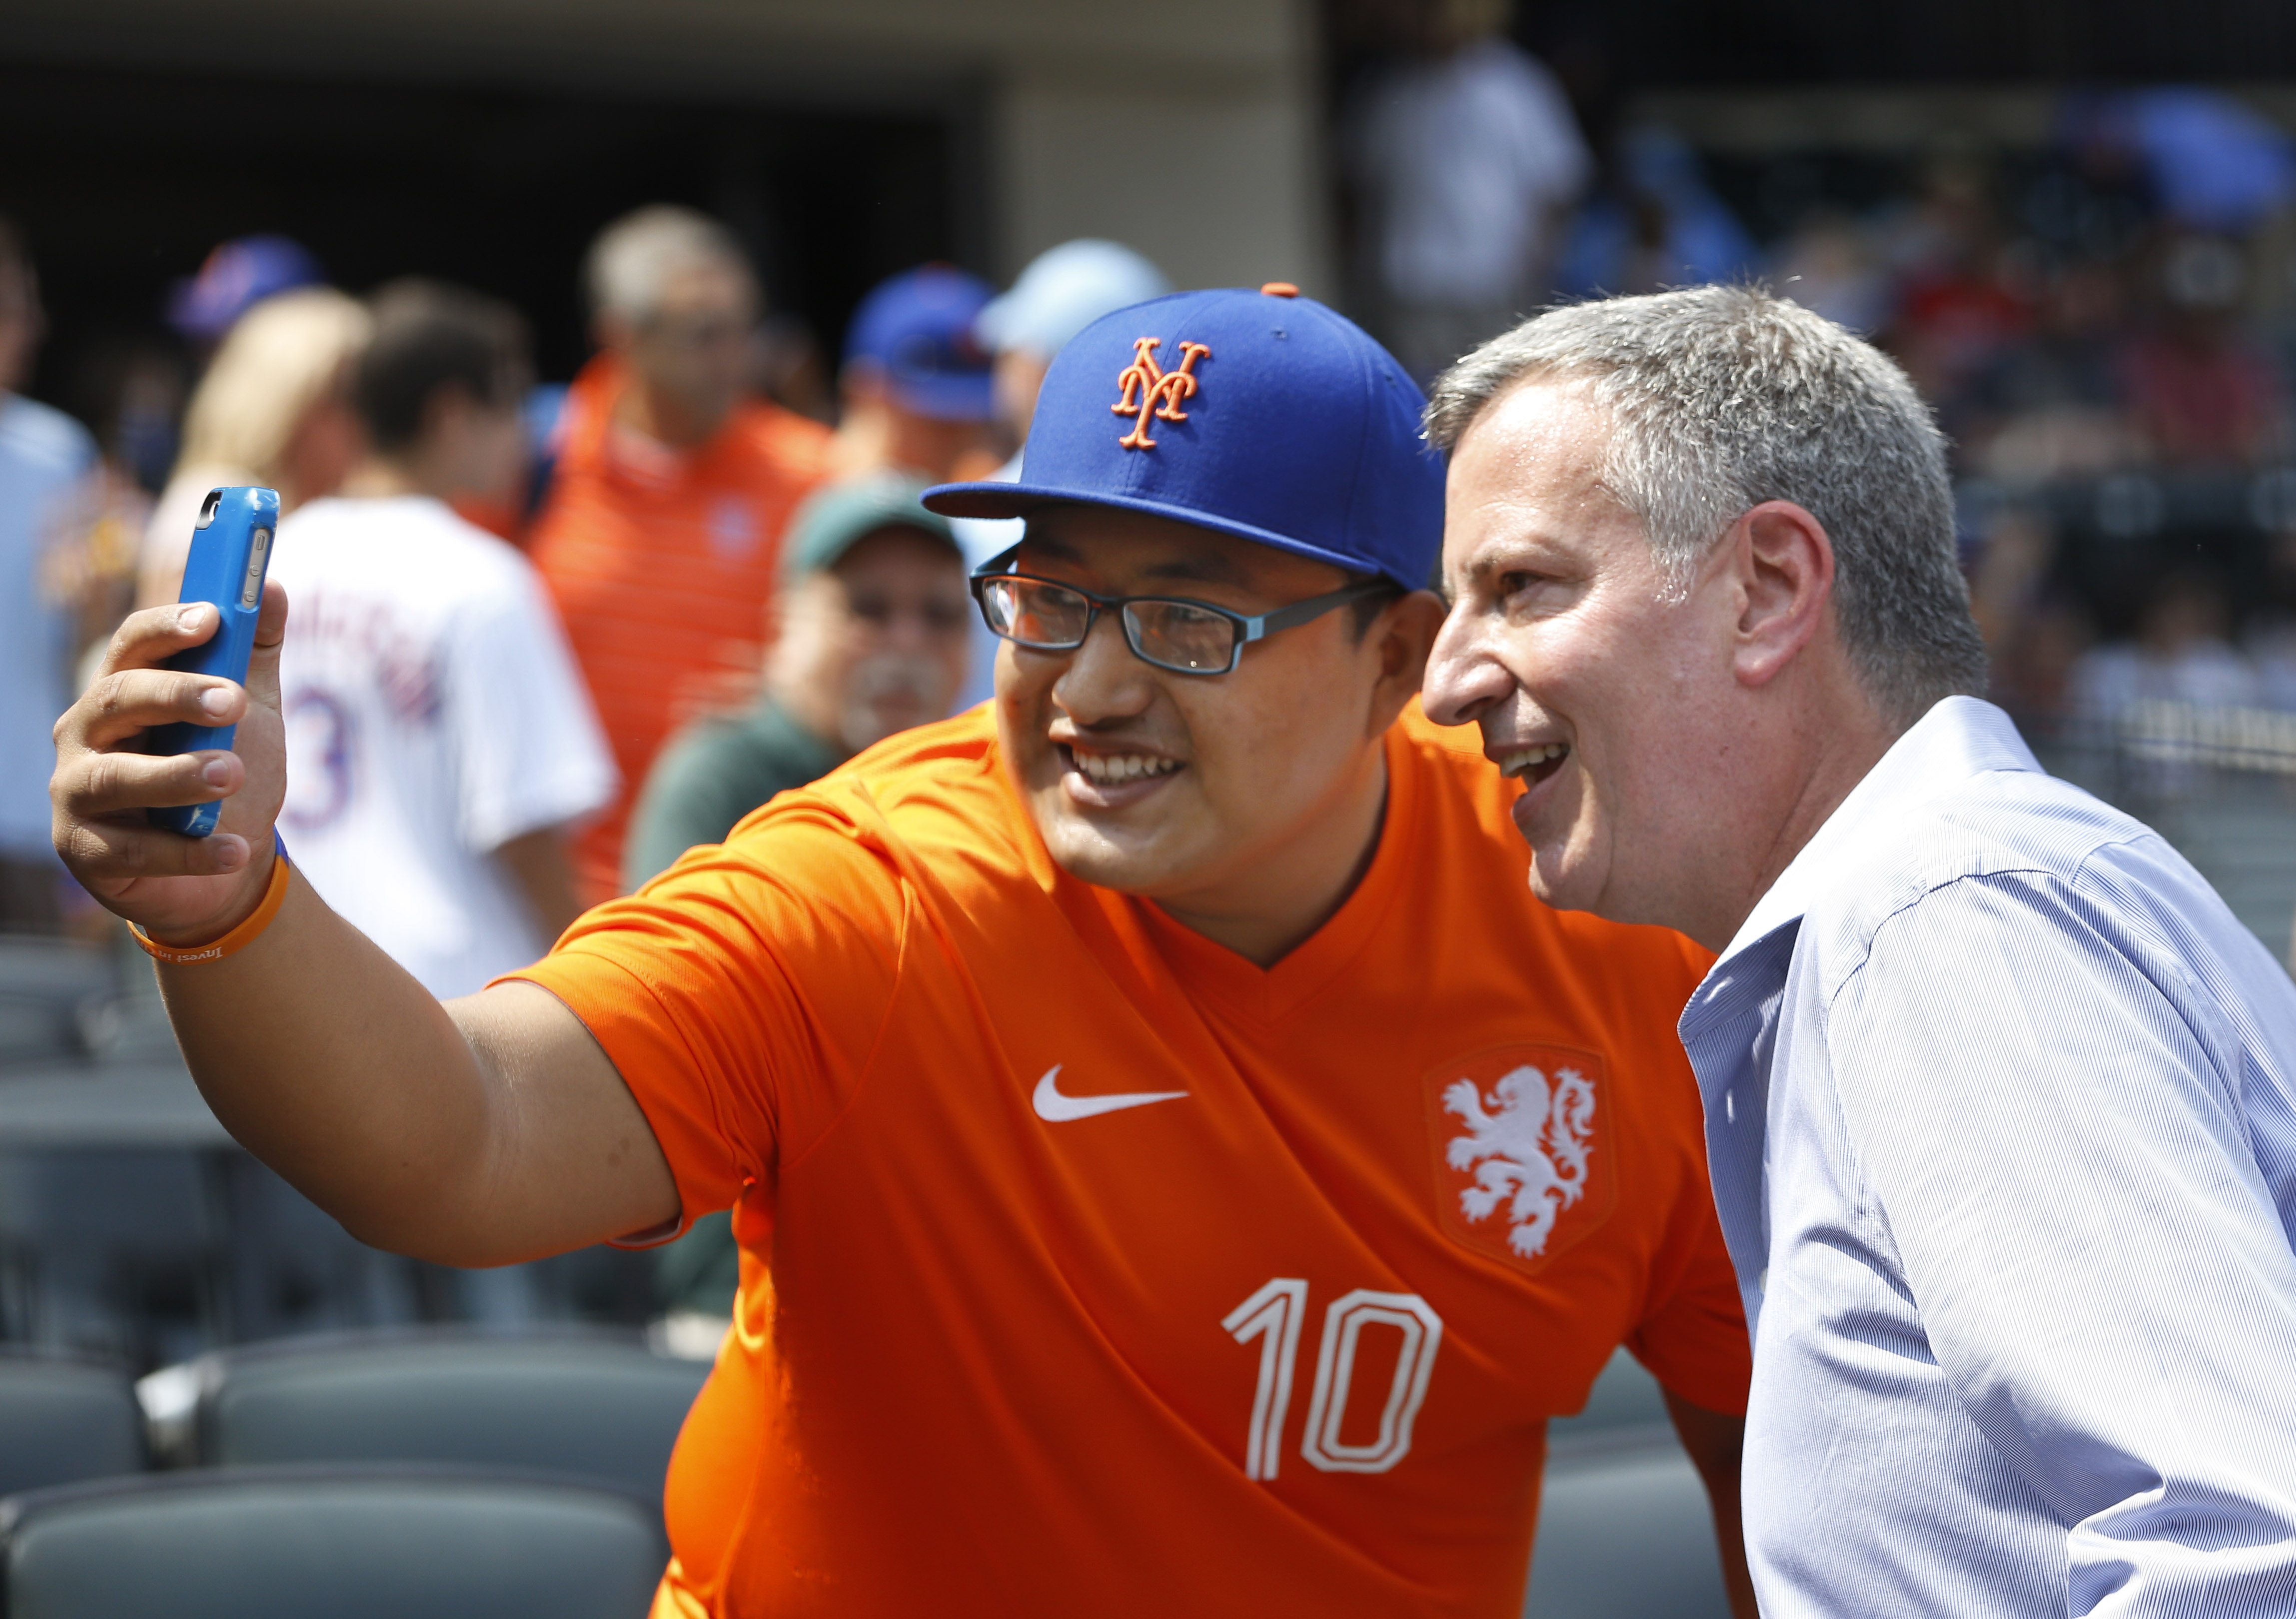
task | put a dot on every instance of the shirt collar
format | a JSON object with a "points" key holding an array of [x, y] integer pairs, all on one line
{"points": [[1960, 738]]}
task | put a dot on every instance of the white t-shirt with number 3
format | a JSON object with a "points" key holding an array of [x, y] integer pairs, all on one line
{"points": [[433, 713]]}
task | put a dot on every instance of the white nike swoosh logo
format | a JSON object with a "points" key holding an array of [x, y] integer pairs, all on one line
{"points": [[1055, 1108]]}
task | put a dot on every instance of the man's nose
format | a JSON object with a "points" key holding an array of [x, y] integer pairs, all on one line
{"points": [[909, 630], [1103, 680], [1464, 680]]}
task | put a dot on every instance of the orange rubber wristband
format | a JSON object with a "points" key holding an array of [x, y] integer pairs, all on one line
{"points": [[239, 939]]}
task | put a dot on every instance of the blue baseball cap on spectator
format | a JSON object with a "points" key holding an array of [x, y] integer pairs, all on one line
{"points": [[237, 275], [916, 331], [1264, 415], [1065, 290]]}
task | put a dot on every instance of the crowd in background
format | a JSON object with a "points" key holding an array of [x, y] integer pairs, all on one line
{"points": [[2105, 322], [542, 640], [510, 598], [548, 637]]}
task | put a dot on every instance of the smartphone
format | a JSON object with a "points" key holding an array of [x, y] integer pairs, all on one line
{"points": [[230, 548]]}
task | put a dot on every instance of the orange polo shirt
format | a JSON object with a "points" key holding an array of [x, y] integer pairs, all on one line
{"points": [[662, 563], [1088, 1268]]}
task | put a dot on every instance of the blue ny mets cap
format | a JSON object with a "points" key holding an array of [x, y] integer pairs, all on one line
{"points": [[235, 277], [916, 329], [1261, 414]]}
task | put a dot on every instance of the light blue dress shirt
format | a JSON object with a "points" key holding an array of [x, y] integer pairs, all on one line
{"points": [[2001, 1112]]}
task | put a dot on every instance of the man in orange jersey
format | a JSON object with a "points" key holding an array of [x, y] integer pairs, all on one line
{"points": [[663, 528], [1177, 1165]]}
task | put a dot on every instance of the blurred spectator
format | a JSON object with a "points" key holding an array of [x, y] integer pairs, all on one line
{"points": [[273, 409], [1063, 290], [440, 740], [1828, 267], [869, 640], [130, 393], [1463, 155], [2201, 392], [660, 534], [1962, 308], [786, 367], [2050, 406], [2180, 654], [45, 458], [1655, 223], [915, 387], [2216, 164], [236, 276]]}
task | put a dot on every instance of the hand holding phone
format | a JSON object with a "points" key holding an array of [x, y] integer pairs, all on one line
{"points": [[231, 551]]}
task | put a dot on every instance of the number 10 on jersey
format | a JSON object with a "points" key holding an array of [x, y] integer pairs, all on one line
{"points": [[1274, 1315]]}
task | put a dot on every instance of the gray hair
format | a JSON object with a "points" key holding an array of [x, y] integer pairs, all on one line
{"points": [[635, 254], [1723, 398]]}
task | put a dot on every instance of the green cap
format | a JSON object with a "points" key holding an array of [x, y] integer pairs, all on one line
{"points": [[838, 514]]}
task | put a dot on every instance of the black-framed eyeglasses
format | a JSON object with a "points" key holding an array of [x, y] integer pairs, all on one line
{"points": [[1170, 632]]}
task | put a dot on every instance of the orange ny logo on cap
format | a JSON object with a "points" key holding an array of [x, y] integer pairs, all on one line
{"points": [[1149, 389]]}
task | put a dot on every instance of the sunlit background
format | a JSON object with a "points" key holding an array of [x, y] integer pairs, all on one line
{"points": [[2074, 223]]}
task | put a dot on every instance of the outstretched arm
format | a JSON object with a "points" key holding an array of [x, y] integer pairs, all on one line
{"points": [[483, 1131], [1717, 1442]]}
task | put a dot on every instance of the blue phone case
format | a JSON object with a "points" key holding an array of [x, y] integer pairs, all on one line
{"points": [[231, 550]]}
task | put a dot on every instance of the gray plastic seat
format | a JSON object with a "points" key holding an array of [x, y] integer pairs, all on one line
{"points": [[63, 1420], [595, 1405], [1625, 1532], [350, 1543], [95, 1238]]}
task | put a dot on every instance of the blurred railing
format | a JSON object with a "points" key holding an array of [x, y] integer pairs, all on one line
{"points": [[2218, 783]]}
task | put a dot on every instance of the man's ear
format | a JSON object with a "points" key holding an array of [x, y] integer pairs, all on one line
{"points": [[1784, 560], [1403, 635]]}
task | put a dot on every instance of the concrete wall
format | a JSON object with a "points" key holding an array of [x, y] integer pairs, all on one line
{"points": [[1184, 127]]}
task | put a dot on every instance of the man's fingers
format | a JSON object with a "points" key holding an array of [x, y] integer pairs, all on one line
{"points": [[109, 783], [271, 623], [101, 851], [270, 632], [145, 638], [118, 704]]}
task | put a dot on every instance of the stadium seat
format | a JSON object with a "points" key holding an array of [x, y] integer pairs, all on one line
{"points": [[45, 985], [374, 1542], [63, 1420], [1625, 1533], [593, 1404], [108, 1250]]}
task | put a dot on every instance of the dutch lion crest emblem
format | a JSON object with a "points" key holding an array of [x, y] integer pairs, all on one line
{"points": [[1527, 1146]]}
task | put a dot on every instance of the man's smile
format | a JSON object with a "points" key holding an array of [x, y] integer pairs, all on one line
{"points": [[1112, 779], [1532, 764]]}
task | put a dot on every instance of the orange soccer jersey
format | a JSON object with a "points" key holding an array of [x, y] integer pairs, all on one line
{"points": [[661, 563], [1088, 1268]]}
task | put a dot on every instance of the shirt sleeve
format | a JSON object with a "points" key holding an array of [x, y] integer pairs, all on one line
{"points": [[740, 995], [2047, 1113], [529, 750]]}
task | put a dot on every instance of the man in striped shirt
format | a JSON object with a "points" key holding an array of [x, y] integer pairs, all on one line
{"points": [[663, 535], [2000, 1098]]}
